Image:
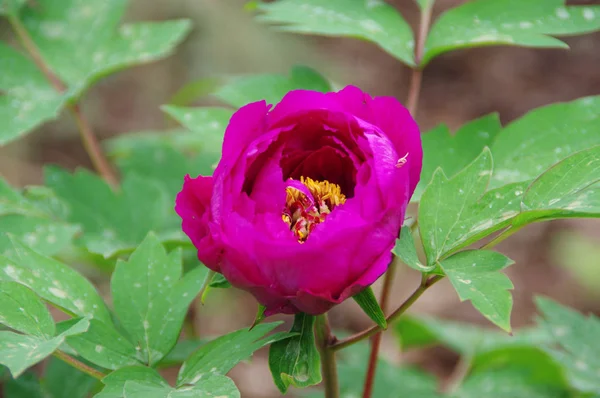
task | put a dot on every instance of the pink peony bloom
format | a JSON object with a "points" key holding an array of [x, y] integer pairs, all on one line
{"points": [[308, 198]]}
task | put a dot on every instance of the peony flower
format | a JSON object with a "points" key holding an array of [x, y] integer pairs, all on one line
{"points": [[308, 199]]}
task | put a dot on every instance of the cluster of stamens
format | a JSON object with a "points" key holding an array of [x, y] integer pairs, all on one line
{"points": [[303, 212]]}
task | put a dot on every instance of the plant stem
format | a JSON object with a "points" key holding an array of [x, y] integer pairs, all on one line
{"points": [[417, 72], [376, 339], [325, 342], [461, 370], [34, 53], [412, 103], [79, 365], [88, 138], [390, 318], [501, 236], [91, 145], [205, 286]]}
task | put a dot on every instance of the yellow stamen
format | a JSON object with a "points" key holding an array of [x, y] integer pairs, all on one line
{"points": [[324, 190], [303, 214]]}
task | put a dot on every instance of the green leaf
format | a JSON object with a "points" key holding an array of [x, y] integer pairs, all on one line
{"points": [[11, 201], [26, 386], [78, 42], [194, 90], [103, 345], [26, 98], [534, 365], [570, 188], [114, 383], [151, 299], [166, 167], [182, 350], [11, 7], [220, 355], [22, 310], [35, 201], [213, 386], [464, 338], [509, 22], [41, 234], [476, 276], [441, 214], [63, 380], [508, 383], [260, 315], [34, 217], [543, 137], [19, 352], [456, 212], [374, 21], [367, 301], [123, 145], [573, 333], [172, 310], [453, 152], [219, 281], [406, 251], [451, 221], [241, 90], [115, 222], [489, 353], [207, 126], [209, 122], [296, 361], [53, 281], [445, 217]]}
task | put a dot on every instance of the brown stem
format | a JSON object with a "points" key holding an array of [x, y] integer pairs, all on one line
{"points": [[365, 334], [79, 365], [414, 90], [461, 370], [92, 147], [376, 339], [417, 72], [34, 53], [328, 365], [90, 142]]}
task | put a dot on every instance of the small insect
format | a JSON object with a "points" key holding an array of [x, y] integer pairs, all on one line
{"points": [[402, 161]]}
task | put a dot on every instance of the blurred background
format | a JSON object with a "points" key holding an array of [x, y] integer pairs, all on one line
{"points": [[559, 259]]}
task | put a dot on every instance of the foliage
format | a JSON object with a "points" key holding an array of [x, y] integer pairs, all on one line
{"points": [[479, 184]]}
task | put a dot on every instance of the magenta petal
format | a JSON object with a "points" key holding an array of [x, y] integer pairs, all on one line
{"points": [[192, 205], [388, 114], [355, 102], [403, 132], [311, 304], [378, 268], [302, 100], [247, 124]]}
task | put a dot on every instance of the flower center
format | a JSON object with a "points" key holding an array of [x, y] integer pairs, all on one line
{"points": [[308, 203]]}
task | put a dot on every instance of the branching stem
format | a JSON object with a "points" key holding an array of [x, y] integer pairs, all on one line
{"points": [[365, 334], [79, 365], [417, 72], [88, 138], [412, 103]]}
